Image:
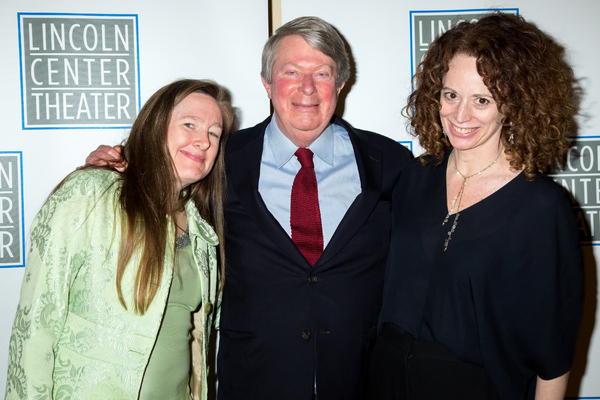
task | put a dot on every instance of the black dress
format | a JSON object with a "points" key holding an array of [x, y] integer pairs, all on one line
{"points": [[506, 295]]}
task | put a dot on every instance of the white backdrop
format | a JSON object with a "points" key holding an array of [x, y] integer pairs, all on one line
{"points": [[379, 35], [177, 39], [223, 40]]}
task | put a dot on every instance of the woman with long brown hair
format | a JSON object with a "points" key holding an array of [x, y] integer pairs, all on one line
{"points": [[121, 282]]}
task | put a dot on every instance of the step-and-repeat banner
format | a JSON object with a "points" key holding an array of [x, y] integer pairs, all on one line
{"points": [[387, 40], [74, 75]]}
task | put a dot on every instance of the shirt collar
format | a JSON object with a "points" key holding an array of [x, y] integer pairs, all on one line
{"points": [[283, 149]]}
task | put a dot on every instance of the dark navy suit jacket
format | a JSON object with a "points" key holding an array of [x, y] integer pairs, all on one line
{"points": [[284, 323]]}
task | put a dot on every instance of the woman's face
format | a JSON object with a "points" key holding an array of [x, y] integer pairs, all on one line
{"points": [[468, 112], [193, 137]]}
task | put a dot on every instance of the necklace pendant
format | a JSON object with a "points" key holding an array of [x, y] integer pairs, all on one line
{"points": [[459, 197]]}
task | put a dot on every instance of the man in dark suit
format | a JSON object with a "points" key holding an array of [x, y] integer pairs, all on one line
{"points": [[290, 329]]}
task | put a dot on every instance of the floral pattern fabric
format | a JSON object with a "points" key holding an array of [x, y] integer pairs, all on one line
{"points": [[72, 338]]}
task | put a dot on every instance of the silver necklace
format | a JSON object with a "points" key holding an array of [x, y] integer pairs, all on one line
{"points": [[459, 197], [183, 240]]}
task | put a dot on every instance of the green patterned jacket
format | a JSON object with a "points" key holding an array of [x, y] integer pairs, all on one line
{"points": [[71, 338]]}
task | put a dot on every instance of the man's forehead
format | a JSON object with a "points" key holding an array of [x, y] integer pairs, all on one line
{"points": [[298, 58]]}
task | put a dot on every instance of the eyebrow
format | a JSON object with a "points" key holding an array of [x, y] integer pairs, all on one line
{"points": [[474, 95], [200, 119], [193, 117], [332, 67]]}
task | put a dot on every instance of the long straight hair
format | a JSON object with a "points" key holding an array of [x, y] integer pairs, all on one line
{"points": [[149, 188]]}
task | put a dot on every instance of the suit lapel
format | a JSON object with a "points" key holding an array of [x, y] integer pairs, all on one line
{"points": [[243, 160], [370, 165], [244, 170]]}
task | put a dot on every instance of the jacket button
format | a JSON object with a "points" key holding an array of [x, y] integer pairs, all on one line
{"points": [[207, 308], [312, 279], [305, 335]]}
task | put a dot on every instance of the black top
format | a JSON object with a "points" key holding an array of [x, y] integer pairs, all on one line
{"points": [[507, 294]]}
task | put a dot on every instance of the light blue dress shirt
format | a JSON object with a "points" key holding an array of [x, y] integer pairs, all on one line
{"points": [[335, 168]]}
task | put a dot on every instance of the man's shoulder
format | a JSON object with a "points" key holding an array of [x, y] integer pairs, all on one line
{"points": [[383, 143], [257, 129], [242, 137]]}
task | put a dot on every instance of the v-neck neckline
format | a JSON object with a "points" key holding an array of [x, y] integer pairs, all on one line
{"points": [[462, 210]]}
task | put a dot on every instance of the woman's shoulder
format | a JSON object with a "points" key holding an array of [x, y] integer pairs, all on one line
{"points": [[422, 166], [87, 182], [84, 190], [89, 177], [541, 196], [419, 179], [544, 189]]}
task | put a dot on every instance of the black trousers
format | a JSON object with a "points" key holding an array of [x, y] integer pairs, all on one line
{"points": [[403, 368]]}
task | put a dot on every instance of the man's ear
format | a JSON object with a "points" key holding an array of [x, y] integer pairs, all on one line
{"points": [[339, 89], [267, 85]]}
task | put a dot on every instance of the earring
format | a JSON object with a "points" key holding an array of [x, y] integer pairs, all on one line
{"points": [[511, 138]]}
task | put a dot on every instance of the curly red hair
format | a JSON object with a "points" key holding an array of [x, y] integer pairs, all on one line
{"points": [[525, 71]]}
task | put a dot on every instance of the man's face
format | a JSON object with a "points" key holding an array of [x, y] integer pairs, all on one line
{"points": [[302, 90]]}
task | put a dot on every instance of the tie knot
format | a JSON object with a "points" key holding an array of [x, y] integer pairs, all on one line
{"points": [[305, 156]]}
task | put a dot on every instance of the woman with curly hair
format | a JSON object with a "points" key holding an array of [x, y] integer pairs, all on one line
{"points": [[484, 286], [122, 283]]}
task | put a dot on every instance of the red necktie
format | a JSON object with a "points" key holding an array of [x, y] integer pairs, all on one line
{"points": [[305, 218]]}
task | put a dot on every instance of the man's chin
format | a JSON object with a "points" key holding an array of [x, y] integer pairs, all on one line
{"points": [[303, 136]]}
